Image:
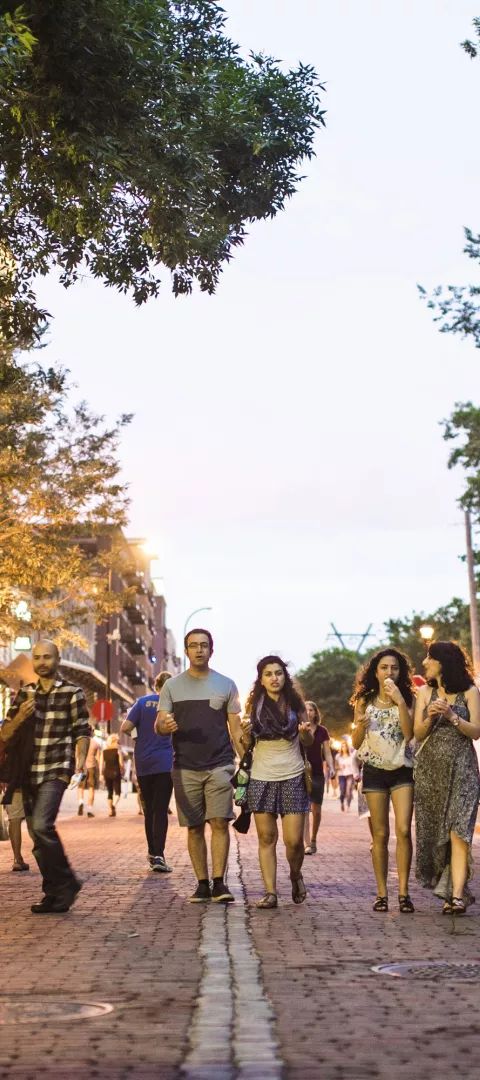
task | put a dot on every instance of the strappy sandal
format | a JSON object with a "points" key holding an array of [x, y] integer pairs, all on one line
{"points": [[447, 907], [459, 906], [299, 892], [381, 903], [270, 900], [405, 904]]}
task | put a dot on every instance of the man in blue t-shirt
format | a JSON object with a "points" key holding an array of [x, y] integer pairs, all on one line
{"points": [[153, 764]]}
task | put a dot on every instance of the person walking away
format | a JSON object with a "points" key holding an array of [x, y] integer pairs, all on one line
{"points": [[45, 726], [200, 709], [383, 699], [92, 769], [113, 772], [16, 814], [345, 770], [275, 726], [153, 756], [447, 784], [319, 755]]}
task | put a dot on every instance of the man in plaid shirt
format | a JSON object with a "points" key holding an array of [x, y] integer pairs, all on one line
{"points": [[49, 727]]}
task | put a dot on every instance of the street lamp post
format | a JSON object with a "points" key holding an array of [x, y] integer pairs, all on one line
{"points": [[472, 594], [187, 620]]}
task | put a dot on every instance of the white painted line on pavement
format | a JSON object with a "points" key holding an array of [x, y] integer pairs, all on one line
{"points": [[256, 1049], [232, 1035]]}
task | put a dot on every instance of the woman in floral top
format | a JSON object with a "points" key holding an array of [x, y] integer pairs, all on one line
{"points": [[383, 700]]}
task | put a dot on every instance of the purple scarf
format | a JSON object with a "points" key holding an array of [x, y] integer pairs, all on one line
{"points": [[270, 722]]}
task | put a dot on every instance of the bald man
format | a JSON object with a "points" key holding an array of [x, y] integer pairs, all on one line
{"points": [[47, 730]]}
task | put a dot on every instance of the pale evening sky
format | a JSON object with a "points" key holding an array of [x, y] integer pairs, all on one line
{"points": [[285, 457]]}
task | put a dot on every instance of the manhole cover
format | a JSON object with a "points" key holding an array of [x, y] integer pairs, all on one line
{"points": [[451, 970], [30, 1010]]}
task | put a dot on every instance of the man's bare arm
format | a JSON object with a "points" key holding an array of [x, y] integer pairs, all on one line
{"points": [[81, 750], [165, 724], [236, 732], [126, 727]]}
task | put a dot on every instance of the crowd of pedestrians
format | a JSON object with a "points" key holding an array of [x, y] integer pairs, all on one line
{"points": [[410, 749]]}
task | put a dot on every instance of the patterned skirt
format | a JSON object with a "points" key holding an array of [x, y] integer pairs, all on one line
{"points": [[278, 796]]}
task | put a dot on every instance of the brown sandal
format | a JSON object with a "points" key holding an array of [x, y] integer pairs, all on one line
{"points": [[459, 906], [299, 892], [268, 901]]}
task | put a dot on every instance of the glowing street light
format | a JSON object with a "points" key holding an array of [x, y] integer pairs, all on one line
{"points": [[426, 633]]}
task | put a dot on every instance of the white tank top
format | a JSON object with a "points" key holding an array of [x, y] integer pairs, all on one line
{"points": [[277, 759]]}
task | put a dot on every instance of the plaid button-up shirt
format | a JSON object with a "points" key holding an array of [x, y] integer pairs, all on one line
{"points": [[61, 717]]}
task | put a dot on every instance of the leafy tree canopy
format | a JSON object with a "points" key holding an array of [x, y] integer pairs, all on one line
{"points": [[457, 307], [464, 424], [451, 623], [133, 136], [59, 484], [328, 680]]}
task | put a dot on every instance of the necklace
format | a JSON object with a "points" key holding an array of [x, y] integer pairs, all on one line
{"points": [[382, 700]]}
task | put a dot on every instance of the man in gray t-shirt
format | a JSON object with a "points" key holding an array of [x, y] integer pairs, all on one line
{"points": [[201, 709]]}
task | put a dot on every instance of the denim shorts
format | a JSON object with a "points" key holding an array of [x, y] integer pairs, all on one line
{"points": [[388, 780]]}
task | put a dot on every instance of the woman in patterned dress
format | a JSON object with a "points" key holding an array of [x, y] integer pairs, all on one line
{"points": [[383, 700], [447, 784], [276, 722]]}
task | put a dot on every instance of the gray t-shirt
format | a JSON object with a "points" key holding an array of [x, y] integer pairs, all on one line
{"points": [[200, 708]]}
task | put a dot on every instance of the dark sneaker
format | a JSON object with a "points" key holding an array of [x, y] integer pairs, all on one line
{"points": [[64, 903], [90, 813], [44, 906], [202, 893], [221, 894], [80, 809], [157, 862]]}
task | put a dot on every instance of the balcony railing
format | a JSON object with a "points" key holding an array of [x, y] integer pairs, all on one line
{"points": [[136, 615], [134, 644]]}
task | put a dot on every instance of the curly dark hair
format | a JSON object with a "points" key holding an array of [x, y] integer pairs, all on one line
{"points": [[457, 672], [291, 696], [366, 682]]}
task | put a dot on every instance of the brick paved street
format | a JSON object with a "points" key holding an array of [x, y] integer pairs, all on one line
{"points": [[287, 993]]}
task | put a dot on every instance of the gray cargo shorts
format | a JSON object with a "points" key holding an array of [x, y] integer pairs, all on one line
{"points": [[203, 795]]}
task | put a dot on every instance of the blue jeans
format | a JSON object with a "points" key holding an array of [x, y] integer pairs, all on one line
{"points": [[346, 789], [58, 878]]}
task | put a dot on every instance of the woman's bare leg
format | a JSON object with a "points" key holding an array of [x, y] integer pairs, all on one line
{"points": [[459, 864], [292, 829], [378, 803], [402, 802], [267, 832]]}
